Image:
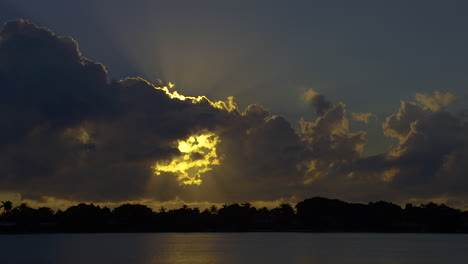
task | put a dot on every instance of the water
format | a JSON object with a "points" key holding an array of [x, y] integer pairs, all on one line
{"points": [[227, 248]]}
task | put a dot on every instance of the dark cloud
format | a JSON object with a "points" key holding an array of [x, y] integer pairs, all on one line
{"points": [[317, 101], [71, 132], [428, 161], [261, 159], [432, 142], [329, 140]]}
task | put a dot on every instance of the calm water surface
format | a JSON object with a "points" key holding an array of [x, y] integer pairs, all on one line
{"points": [[227, 248]]}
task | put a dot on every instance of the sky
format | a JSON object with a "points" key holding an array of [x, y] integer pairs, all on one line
{"points": [[233, 101]]}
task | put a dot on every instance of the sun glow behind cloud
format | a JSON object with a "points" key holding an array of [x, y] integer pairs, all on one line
{"points": [[228, 105], [198, 155], [198, 152]]}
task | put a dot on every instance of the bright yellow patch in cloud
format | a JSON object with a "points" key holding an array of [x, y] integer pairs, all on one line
{"points": [[198, 155], [79, 134], [435, 103], [389, 174], [228, 105], [363, 117]]}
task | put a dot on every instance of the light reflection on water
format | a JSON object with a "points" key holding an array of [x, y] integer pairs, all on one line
{"points": [[227, 248]]}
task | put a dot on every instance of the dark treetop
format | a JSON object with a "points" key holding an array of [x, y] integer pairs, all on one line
{"points": [[311, 215]]}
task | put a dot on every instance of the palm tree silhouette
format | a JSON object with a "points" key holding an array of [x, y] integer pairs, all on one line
{"points": [[7, 206]]}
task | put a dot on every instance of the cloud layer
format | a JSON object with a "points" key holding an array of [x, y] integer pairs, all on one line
{"points": [[71, 132]]}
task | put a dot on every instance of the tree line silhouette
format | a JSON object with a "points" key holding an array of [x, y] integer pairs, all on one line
{"points": [[311, 215]]}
